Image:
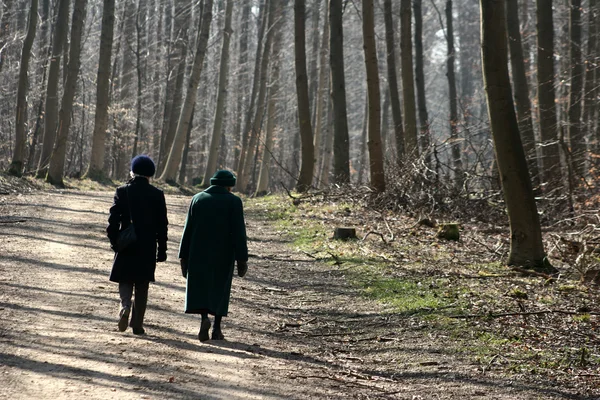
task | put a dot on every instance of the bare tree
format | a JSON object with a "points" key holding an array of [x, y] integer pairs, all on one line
{"points": [[341, 145], [408, 86], [374, 144], [576, 138], [51, 109], [174, 159], [308, 152], [393, 79], [420, 82], [57, 160], [16, 166], [526, 247], [95, 169], [221, 98]]}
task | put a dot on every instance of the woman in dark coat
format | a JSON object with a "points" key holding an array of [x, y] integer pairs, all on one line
{"points": [[134, 266], [214, 237]]}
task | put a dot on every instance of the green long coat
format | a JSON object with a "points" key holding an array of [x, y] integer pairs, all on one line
{"points": [[214, 237]]}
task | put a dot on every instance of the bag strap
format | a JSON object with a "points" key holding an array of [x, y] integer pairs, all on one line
{"points": [[129, 204]]}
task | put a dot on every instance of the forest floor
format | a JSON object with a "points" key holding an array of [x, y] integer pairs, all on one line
{"points": [[380, 318]]}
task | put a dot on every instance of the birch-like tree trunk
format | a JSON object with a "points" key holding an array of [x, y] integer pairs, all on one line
{"points": [[341, 142], [51, 109], [174, 159], [592, 74], [5, 22], [221, 98], [96, 167], [526, 247], [373, 91], [306, 135], [16, 166], [57, 160]]}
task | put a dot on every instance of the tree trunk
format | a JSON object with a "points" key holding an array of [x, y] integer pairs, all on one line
{"points": [[420, 83], [242, 81], [263, 16], [393, 79], [16, 166], [57, 161], [182, 20], [341, 142], [96, 167], [60, 27], [313, 76], [246, 171], [140, 49], [546, 94], [575, 133], [592, 75], [374, 143], [526, 248], [408, 87], [519, 75], [456, 146], [328, 145], [322, 92], [174, 159], [306, 134], [273, 98]]}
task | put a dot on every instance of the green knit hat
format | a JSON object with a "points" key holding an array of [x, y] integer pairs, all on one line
{"points": [[223, 178]]}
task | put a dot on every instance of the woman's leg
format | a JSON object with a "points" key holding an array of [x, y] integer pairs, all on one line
{"points": [[139, 307]]}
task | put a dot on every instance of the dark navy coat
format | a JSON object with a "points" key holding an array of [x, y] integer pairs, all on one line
{"points": [[149, 213]]}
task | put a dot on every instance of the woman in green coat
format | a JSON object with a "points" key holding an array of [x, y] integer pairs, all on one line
{"points": [[214, 237]]}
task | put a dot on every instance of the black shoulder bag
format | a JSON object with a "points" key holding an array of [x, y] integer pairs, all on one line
{"points": [[127, 236]]}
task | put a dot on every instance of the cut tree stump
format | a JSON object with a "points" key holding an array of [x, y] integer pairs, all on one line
{"points": [[344, 233]]}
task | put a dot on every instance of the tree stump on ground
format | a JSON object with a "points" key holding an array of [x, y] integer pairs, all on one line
{"points": [[448, 232], [344, 233]]}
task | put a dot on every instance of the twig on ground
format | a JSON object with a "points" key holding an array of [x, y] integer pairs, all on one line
{"points": [[374, 233]]}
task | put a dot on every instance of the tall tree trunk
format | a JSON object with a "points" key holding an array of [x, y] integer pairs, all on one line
{"points": [[526, 248], [16, 166], [328, 138], [57, 161], [273, 98], [546, 94], [374, 143], [576, 138], [51, 108], [322, 91], [420, 83], [246, 171], [306, 134], [263, 16], [174, 159], [519, 75], [456, 146], [186, 152], [96, 167], [242, 80], [408, 86], [393, 79], [592, 58], [140, 49], [221, 98], [182, 20], [313, 76], [341, 142]]}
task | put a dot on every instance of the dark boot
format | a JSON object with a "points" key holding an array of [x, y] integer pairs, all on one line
{"points": [[216, 333], [204, 328]]}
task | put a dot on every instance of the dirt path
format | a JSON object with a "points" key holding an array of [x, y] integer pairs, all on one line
{"points": [[296, 328]]}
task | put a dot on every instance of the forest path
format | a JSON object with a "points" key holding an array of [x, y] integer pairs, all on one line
{"points": [[297, 329]]}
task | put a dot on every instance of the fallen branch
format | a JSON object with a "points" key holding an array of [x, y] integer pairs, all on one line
{"points": [[513, 314], [374, 233]]}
